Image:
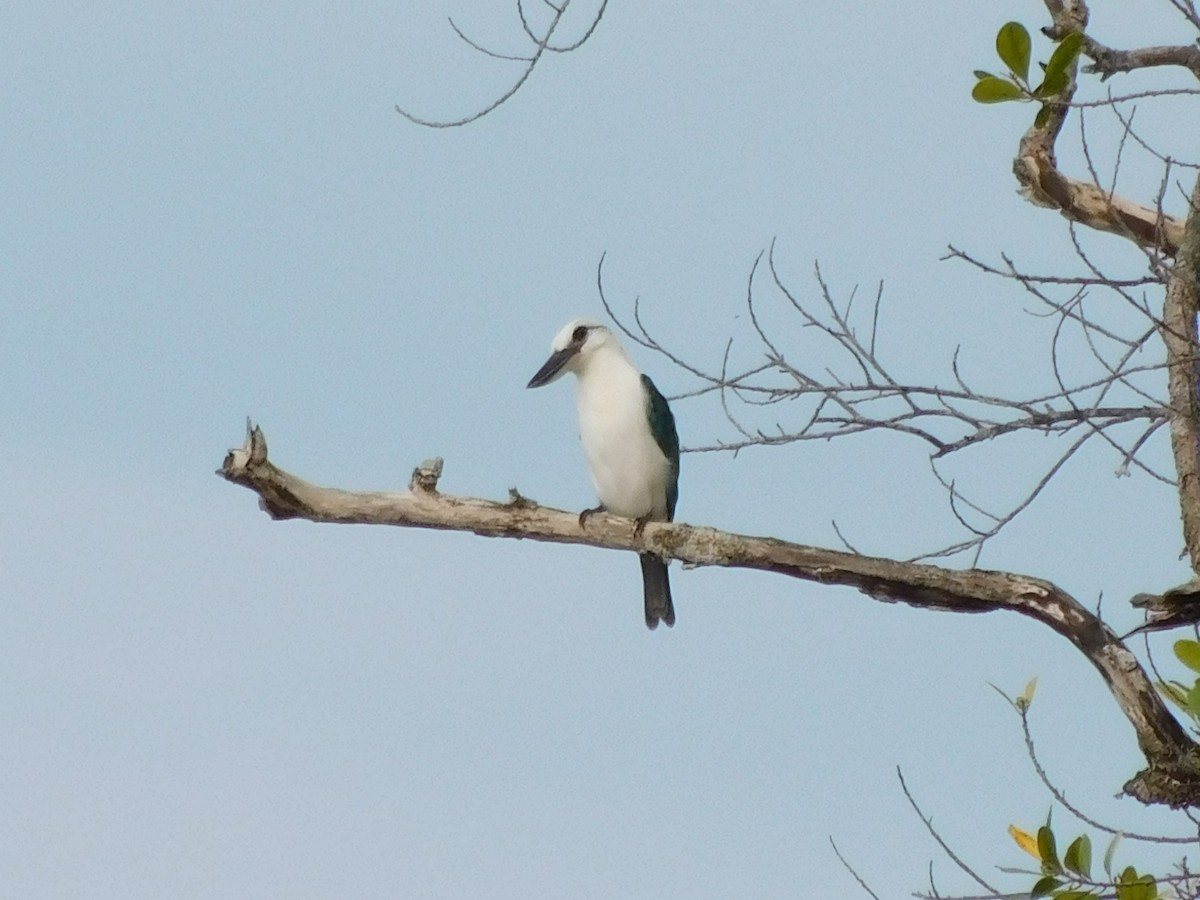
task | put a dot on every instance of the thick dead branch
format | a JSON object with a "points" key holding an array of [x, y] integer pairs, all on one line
{"points": [[1044, 185], [1171, 609], [1180, 337], [1172, 776]]}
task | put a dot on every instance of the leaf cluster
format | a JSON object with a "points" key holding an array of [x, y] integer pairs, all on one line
{"points": [[1069, 877], [1015, 50]]}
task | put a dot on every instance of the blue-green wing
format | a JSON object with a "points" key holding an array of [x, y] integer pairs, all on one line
{"points": [[662, 426]]}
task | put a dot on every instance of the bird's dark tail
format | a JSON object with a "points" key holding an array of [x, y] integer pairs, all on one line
{"points": [[658, 591]]}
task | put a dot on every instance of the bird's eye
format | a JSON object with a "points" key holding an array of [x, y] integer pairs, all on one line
{"points": [[579, 334]]}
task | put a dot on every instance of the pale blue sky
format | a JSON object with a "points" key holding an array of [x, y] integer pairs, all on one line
{"points": [[212, 211]]}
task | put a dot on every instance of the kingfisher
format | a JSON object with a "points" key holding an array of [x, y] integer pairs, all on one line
{"points": [[629, 439]]}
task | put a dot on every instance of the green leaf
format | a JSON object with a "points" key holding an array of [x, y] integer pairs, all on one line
{"points": [[1043, 887], [1175, 692], [1061, 66], [1193, 700], [1013, 46], [1042, 117], [1052, 85], [1065, 53], [1142, 889], [979, 73], [1111, 852], [1048, 851], [996, 90], [1075, 895], [1078, 857], [1131, 886], [1188, 653]]}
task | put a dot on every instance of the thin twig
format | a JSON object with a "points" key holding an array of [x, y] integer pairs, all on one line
{"points": [[849, 868], [928, 823]]}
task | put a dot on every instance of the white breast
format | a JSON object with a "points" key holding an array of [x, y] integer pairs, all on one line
{"points": [[628, 469]]}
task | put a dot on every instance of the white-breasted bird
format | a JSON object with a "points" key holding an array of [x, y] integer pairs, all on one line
{"points": [[629, 439]]}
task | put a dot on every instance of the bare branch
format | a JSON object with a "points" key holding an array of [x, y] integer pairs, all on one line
{"points": [[953, 252], [849, 868], [542, 44], [947, 419], [1167, 161], [981, 535], [1172, 776], [1187, 9], [1045, 420], [566, 48], [928, 823]]}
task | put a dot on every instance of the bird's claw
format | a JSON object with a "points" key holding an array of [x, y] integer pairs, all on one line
{"points": [[583, 516]]}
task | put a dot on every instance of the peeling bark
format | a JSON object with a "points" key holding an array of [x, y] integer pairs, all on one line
{"points": [[1044, 185]]}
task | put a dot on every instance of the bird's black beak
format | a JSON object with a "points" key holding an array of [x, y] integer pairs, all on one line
{"points": [[548, 372]]}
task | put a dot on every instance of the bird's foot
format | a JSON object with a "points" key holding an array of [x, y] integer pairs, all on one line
{"points": [[583, 516], [639, 525]]}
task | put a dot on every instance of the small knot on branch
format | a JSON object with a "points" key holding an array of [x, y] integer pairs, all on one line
{"points": [[425, 476], [1029, 590], [517, 500]]}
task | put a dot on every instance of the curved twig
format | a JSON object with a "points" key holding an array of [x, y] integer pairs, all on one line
{"points": [[1058, 795], [543, 44]]}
